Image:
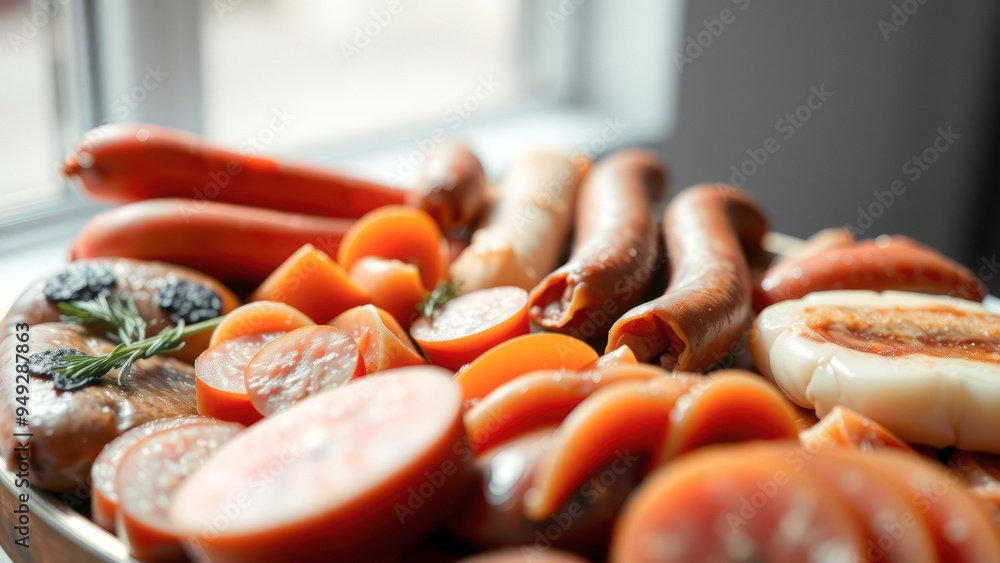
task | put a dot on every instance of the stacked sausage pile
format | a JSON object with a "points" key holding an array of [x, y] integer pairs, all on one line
{"points": [[414, 375]]}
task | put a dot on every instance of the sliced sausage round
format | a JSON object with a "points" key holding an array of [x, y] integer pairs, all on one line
{"points": [[356, 473], [149, 474], [301, 363]]}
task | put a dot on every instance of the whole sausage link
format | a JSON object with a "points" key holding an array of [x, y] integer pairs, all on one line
{"points": [[528, 227], [228, 241], [452, 189], [616, 250], [880, 264], [702, 314], [121, 163]]}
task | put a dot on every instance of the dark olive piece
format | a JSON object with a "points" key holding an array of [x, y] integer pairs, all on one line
{"points": [[43, 364], [189, 302], [80, 282]]}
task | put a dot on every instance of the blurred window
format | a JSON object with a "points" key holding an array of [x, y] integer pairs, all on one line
{"points": [[327, 80], [29, 145], [335, 71]]}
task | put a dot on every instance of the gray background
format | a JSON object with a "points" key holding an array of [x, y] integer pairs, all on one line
{"points": [[889, 98]]}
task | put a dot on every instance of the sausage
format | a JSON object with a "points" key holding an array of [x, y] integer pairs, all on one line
{"points": [[122, 163], [299, 364], [961, 525], [233, 243], [149, 474], [884, 263], [821, 241], [71, 427], [464, 328], [524, 555], [615, 251], [980, 473], [704, 310], [845, 428], [894, 532], [222, 391], [541, 398], [104, 496], [529, 226], [729, 406], [493, 515], [163, 293], [736, 503], [452, 189], [356, 473], [623, 424]]}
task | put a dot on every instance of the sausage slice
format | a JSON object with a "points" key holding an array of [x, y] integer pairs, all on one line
{"points": [[355, 473]]}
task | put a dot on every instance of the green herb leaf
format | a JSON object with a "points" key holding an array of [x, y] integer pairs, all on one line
{"points": [[443, 293], [121, 314], [170, 340]]}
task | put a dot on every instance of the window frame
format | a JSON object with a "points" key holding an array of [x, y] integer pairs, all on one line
{"points": [[578, 44]]}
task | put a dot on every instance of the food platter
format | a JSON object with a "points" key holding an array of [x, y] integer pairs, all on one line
{"points": [[504, 360], [57, 533], [60, 533]]}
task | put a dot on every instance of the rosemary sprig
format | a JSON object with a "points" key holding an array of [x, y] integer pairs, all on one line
{"points": [[170, 340], [443, 293], [121, 314]]}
